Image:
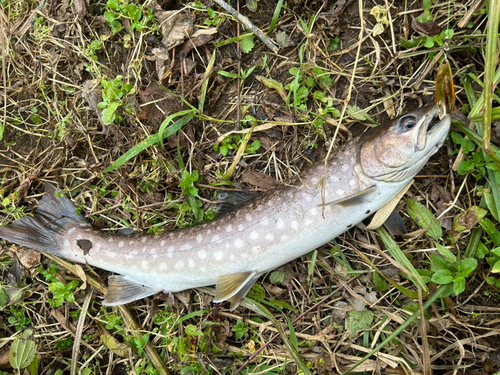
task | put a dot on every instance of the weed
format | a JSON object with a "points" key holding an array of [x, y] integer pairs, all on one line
{"points": [[18, 319], [215, 18], [239, 329], [427, 41], [188, 189], [112, 98], [62, 293], [231, 143], [448, 268], [120, 9]]}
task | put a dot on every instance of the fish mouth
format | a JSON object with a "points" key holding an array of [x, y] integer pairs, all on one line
{"points": [[432, 129]]}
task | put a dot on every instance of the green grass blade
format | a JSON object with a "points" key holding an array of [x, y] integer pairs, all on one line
{"points": [[276, 15], [401, 258], [152, 140]]}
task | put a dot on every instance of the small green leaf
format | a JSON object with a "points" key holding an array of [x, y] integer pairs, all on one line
{"points": [[277, 277], [496, 267], [458, 285], [450, 257], [380, 284], [192, 330], [424, 218], [359, 320], [22, 353], [442, 276], [247, 43]]}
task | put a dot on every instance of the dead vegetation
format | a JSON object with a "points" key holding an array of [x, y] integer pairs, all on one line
{"points": [[86, 82]]}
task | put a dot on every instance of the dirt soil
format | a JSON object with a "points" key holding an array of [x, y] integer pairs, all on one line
{"points": [[58, 57]]}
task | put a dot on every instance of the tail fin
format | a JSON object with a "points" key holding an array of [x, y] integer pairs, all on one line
{"points": [[55, 214]]}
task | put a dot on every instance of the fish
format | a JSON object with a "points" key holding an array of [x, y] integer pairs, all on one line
{"points": [[234, 250]]}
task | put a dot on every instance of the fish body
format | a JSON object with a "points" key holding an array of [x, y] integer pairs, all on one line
{"points": [[264, 233]]}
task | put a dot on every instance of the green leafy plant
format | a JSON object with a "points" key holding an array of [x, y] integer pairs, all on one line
{"points": [[188, 188], [18, 319], [449, 268], [215, 18], [231, 143], [62, 293], [116, 10], [239, 329], [112, 98], [427, 41]]}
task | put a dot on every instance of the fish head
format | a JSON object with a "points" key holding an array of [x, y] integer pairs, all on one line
{"points": [[397, 150]]}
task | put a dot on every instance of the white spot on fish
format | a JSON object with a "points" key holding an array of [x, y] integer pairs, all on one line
{"points": [[191, 263], [280, 224], [229, 228], [340, 192], [215, 238], [227, 246], [199, 238], [295, 225], [241, 227], [265, 222], [155, 256], [179, 265], [144, 239], [219, 255], [254, 235], [170, 249], [308, 222], [209, 231], [170, 255], [308, 198], [256, 249], [152, 251], [145, 264], [248, 217], [163, 266], [134, 252], [269, 236], [111, 239], [352, 182], [202, 254], [270, 203], [131, 242], [163, 242], [313, 212], [238, 243], [232, 257], [111, 254], [284, 238], [128, 256], [186, 246]]}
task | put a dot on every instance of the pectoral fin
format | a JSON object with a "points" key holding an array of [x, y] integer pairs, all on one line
{"points": [[234, 287], [353, 198], [395, 224], [122, 291]]}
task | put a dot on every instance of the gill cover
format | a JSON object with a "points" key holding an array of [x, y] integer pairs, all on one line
{"points": [[396, 151]]}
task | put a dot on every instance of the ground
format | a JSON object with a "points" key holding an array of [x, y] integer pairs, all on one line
{"points": [[142, 111]]}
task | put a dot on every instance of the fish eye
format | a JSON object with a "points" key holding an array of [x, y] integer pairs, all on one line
{"points": [[408, 122]]}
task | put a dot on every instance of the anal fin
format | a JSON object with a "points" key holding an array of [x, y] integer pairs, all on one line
{"points": [[122, 291], [234, 287]]}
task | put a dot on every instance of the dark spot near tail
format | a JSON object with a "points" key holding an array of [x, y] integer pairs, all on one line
{"points": [[367, 212], [85, 245], [350, 225]]}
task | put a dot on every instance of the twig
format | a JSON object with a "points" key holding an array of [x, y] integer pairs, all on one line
{"points": [[248, 25]]}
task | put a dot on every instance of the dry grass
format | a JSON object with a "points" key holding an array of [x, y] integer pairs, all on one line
{"points": [[54, 132]]}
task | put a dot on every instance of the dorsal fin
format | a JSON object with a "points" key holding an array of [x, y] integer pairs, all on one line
{"points": [[229, 201], [122, 290]]}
